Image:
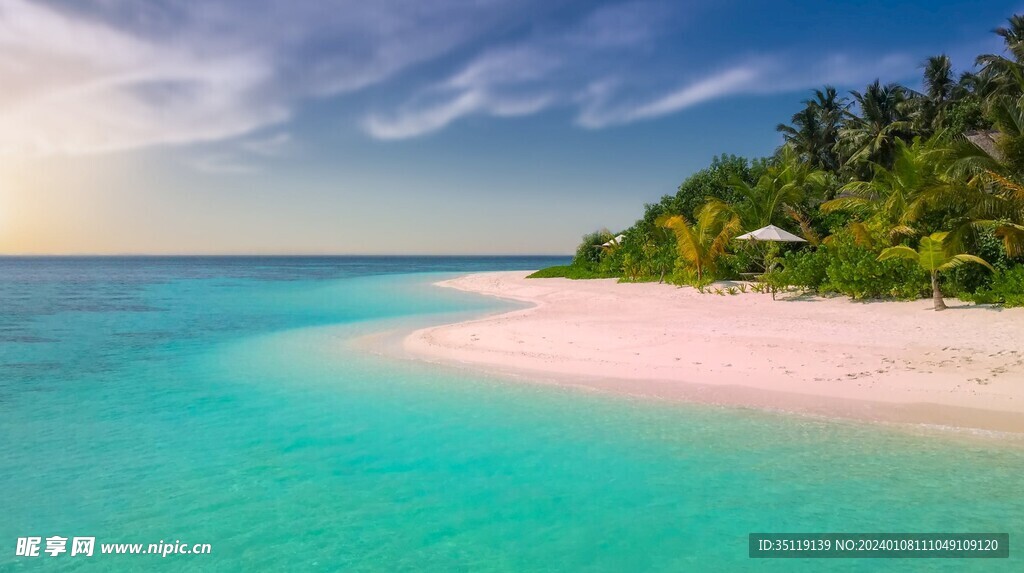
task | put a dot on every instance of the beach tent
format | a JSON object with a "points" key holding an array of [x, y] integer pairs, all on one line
{"points": [[771, 233]]}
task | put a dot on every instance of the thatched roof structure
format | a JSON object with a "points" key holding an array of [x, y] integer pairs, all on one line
{"points": [[986, 140]]}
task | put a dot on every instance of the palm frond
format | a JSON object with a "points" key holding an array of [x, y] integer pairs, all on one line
{"points": [[845, 204], [958, 260], [1012, 235], [861, 234], [902, 231], [805, 225], [899, 252]]}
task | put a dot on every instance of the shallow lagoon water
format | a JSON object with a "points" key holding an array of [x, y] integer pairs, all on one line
{"points": [[220, 401]]}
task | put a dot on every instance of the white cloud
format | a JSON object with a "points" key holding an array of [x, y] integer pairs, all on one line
{"points": [[606, 68], [75, 86], [501, 82], [521, 78], [529, 81], [761, 75], [423, 119], [271, 145], [596, 115], [108, 77], [117, 75]]}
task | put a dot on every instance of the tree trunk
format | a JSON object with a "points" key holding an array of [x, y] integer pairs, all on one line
{"points": [[936, 293]]}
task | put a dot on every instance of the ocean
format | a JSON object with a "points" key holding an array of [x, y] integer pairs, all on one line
{"points": [[223, 401]]}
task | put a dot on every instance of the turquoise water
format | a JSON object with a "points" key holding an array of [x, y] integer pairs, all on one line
{"points": [[219, 401]]}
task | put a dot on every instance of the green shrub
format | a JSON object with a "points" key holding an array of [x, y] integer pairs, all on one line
{"points": [[683, 275], [569, 272], [633, 269], [967, 114], [968, 279], [589, 252], [804, 269], [612, 261], [731, 265], [855, 271], [711, 182], [1007, 288]]}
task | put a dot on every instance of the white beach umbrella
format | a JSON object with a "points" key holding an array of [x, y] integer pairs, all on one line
{"points": [[771, 233]]}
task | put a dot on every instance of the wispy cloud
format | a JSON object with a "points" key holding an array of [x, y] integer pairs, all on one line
{"points": [[77, 86], [88, 78], [601, 106], [526, 77], [597, 112], [270, 145], [98, 78], [605, 69], [502, 82], [240, 156]]}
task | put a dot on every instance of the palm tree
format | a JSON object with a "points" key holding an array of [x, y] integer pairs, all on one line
{"points": [[870, 134], [814, 130], [701, 244], [900, 194], [938, 79], [786, 183], [994, 187], [1007, 74], [805, 134], [980, 84], [1013, 35], [941, 88], [933, 256]]}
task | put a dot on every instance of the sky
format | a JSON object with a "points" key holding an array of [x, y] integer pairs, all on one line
{"points": [[410, 126]]}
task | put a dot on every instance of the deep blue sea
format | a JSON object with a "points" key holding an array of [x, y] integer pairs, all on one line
{"points": [[220, 401]]}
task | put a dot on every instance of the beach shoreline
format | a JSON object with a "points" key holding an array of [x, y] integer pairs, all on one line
{"points": [[829, 357]]}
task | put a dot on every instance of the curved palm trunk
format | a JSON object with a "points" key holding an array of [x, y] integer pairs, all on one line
{"points": [[936, 293]]}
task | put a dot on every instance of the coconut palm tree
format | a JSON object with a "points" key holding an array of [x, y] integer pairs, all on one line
{"points": [[701, 244], [900, 194], [805, 134], [1006, 73], [980, 84], [1013, 35], [814, 130], [786, 183], [994, 186], [869, 135], [939, 83], [941, 88], [933, 256]]}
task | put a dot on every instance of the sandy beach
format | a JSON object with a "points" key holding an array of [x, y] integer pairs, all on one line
{"points": [[880, 361]]}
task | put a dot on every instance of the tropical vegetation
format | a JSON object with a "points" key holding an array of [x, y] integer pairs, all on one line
{"points": [[933, 256], [893, 188]]}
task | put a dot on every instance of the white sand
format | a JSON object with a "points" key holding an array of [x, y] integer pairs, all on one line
{"points": [[889, 361]]}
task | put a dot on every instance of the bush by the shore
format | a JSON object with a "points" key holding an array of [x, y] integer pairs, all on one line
{"points": [[570, 272]]}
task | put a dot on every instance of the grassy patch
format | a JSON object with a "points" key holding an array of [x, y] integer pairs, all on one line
{"points": [[569, 272]]}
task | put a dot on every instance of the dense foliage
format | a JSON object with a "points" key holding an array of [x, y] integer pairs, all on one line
{"points": [[894, 190], [570, 272]]}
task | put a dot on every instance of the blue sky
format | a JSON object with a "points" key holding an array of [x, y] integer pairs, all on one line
{"points": [[406, 126]]}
